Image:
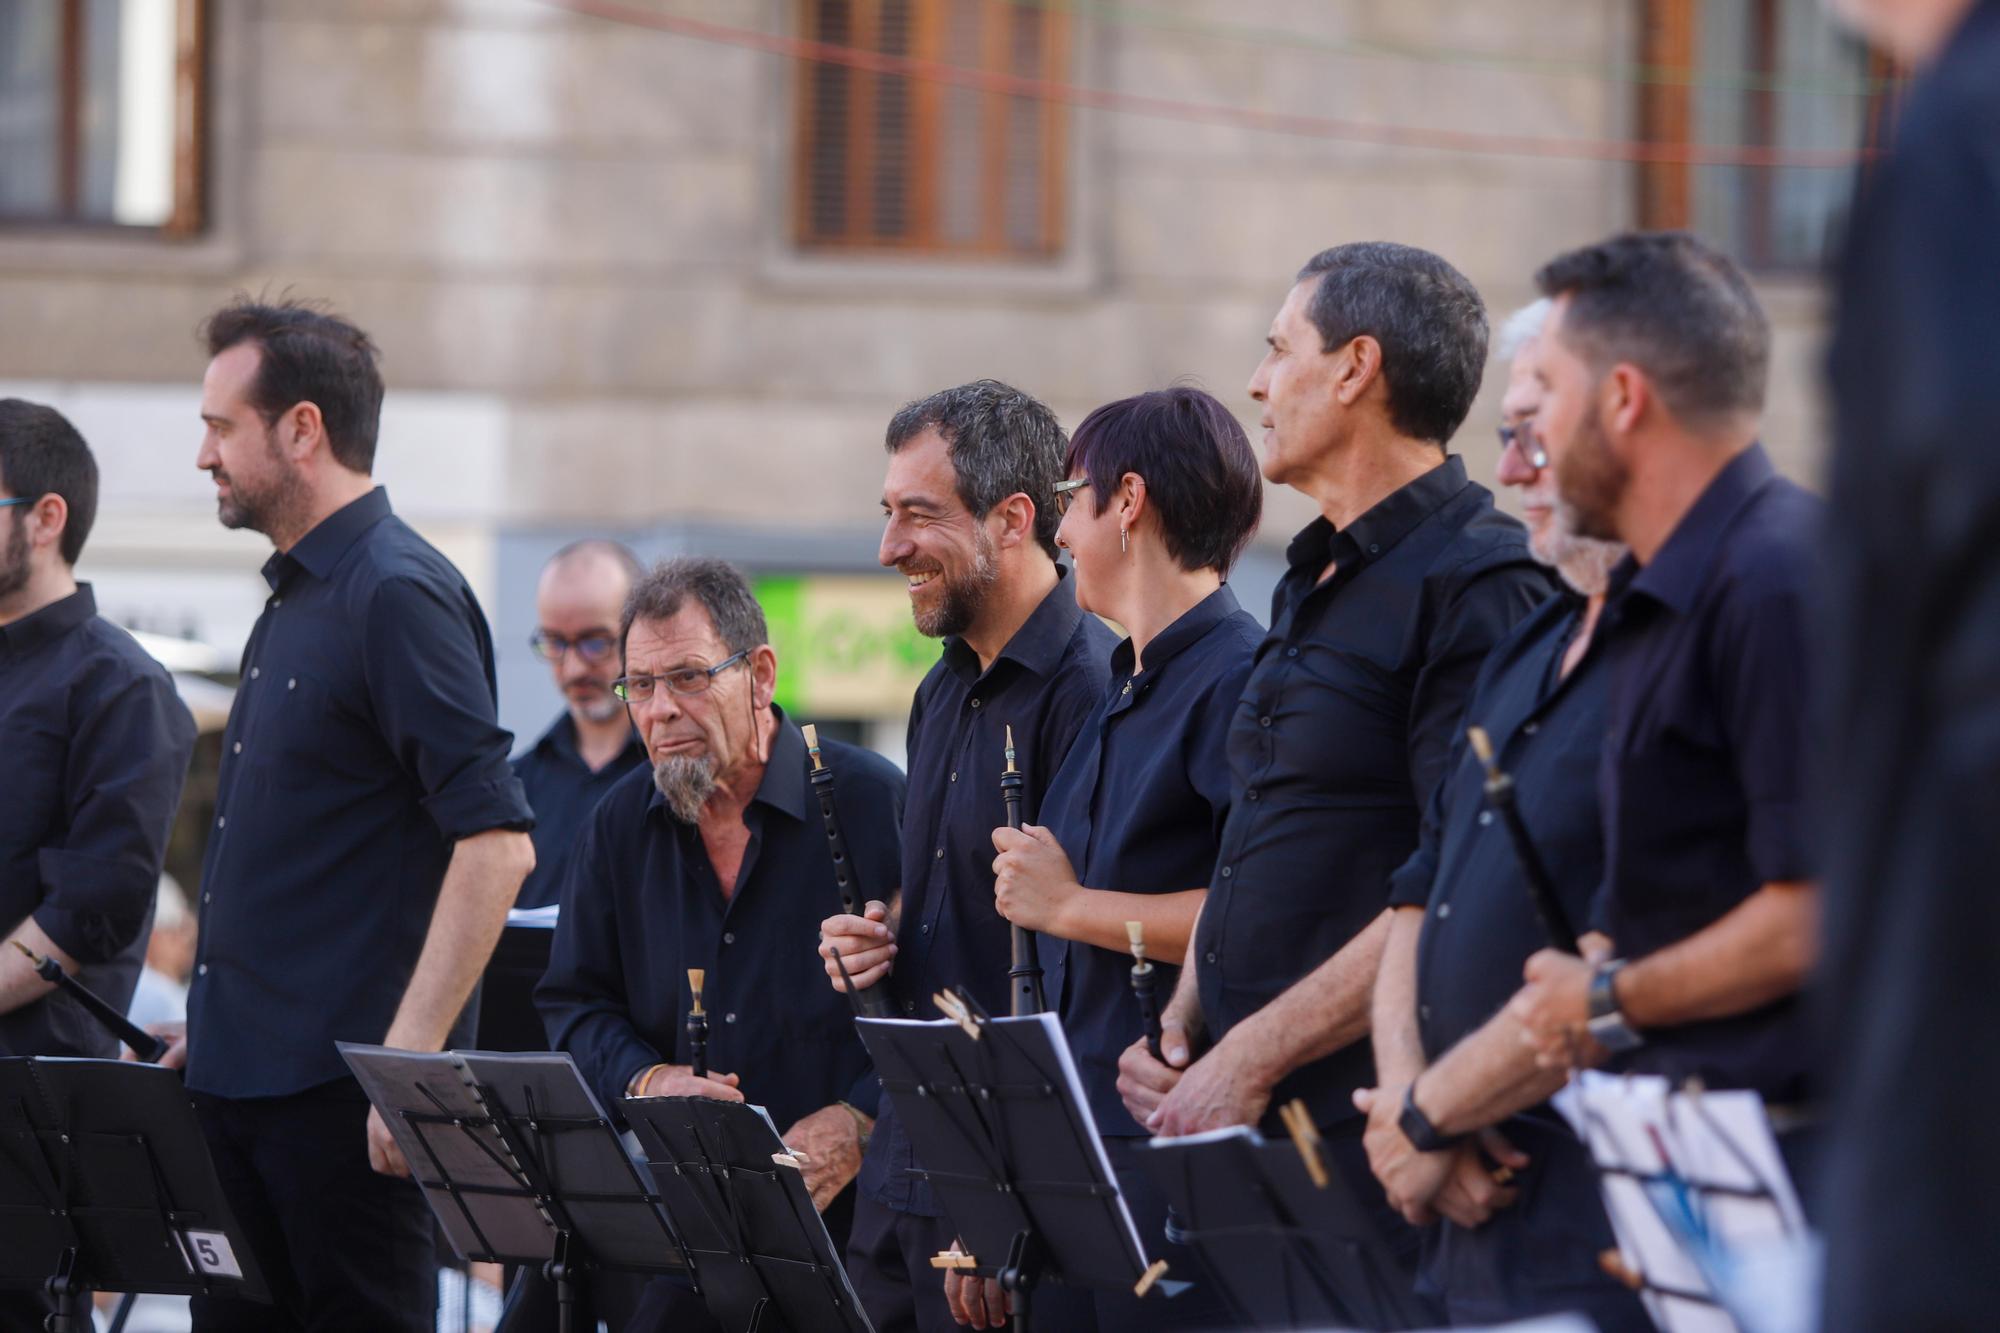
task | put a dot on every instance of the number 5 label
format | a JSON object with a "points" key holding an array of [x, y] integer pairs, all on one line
{"points": [[211, 1253]]}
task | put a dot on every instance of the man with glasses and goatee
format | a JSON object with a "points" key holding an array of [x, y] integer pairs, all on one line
{"points": [[578, 602], [712, 856]]}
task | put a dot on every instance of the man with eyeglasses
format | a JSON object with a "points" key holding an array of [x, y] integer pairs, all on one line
{"points": [[713, 857], [1459, 1132], [578, 602]]}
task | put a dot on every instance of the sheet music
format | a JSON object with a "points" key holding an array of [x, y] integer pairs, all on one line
{"points": [[1697, 1193]]}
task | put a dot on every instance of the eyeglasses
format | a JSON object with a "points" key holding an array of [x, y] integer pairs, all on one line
{"points": [[684, 680], [19, 500], [1522, 433], [590, 647], [1066, 493]]}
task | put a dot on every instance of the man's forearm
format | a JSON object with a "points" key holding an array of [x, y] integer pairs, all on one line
{"points": [[1485, 1078], [1399, 1048], [1758, 953], [20, 984], [480, 884], [1325, 1010]]}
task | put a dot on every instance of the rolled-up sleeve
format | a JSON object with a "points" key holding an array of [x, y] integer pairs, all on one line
{"points": [[128, 759], [430, 679]]}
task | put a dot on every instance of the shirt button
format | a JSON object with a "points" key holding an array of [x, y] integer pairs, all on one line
{"points": [[1531, 728], [1227, 871], [1424, 1012], [1374, 548], [1291, 652], [1444, 910], [1208, 957], [277, 601], [206, 896], [222, 821], [728, 938], [909, 1006], [729, 1018], [292, 684], [202, 970], [1485, 818], [927, 927], [1252, 793], [954, 776], [939, 856], [256, 672], [1264, 721], [975, 703], [236, 748]]}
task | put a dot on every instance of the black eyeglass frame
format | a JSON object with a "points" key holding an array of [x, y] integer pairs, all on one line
{"points": [[1533, 452], [622, 687], [541, 641]]}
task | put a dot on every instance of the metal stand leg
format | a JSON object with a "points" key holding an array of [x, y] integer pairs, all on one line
{"points": [[72, 1298], [1017, 1279], [565, 1278]]}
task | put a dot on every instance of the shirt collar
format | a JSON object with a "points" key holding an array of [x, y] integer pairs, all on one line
{"points": [[1392, 519], [1194, 622], [1038, 645], [321, 549], [560, 740], [51, 622], [783, 786], [1675, 574]]}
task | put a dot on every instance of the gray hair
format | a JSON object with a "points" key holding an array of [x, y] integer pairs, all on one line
{"points": [[716, 585], [1522, 327], [1426, 315], [1002, 442]]}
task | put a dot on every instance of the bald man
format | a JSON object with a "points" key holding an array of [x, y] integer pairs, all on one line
{"points": [[578, 603]]}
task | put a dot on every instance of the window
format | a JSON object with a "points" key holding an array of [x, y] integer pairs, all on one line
{"points": [[100, 117], [891, 163], [1777, 74]]}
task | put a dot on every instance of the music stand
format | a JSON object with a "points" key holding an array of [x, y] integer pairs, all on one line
{"points": [[997, 1114], [106, 1183], [519, 1163], [508, 1019], [1290, 1250], [760, 1252]]}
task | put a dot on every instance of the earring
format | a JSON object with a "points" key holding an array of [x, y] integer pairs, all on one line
{"points": [[1124, 539]]}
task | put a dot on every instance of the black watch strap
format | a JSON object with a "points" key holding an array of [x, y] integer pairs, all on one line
{"points": [[1417, 1126]]}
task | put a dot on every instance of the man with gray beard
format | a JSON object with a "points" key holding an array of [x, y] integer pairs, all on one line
{"points": [[1462, 1106], [711, 856]]}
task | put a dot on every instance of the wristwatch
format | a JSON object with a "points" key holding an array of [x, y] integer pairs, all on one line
{"points": [[1607, 1025], [1417, 1126]]}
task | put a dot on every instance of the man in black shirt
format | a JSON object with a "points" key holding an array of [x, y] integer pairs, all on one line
{"points": [[578, 602], [971, 523], [1911, 1187], [1653, 372], [96, 745], [1393, 598], [1466, 922], [369, 836], [713, 857]]}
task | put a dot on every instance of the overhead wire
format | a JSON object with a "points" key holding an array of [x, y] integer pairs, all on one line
{"points": [[1474, 142]]}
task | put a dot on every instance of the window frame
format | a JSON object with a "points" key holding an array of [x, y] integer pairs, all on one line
{"points": [[189, 215], [924, 240]]}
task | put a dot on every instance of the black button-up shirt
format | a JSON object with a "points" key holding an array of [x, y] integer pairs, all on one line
{"points": [[562, 791], [1343, 730], [641, 905], [362, 744], [96, 745], [1703, 779], [1480, 927], [1480, 924], [1139, 807], [1044, 684]]}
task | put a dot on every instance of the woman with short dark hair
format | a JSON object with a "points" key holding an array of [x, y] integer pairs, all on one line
{"points": [[1162, 496]]}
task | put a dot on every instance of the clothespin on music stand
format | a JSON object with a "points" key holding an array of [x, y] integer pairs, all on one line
{"points": [[1151, 1275], [955, 1009], [954, 1259], [1305, 1135]]}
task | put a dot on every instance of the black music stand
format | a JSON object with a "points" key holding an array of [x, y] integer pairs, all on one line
{"points": [[519, 1163], [996, 1112], [508, 1019], [760, 1252], [1287, 1251], [106, 1183]]}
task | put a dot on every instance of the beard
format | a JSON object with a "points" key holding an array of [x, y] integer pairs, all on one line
{"points": [[1590, 482], [961, 596], [1584, 563], [14, 559], [260, 509], [600, 707], [687, 781]]}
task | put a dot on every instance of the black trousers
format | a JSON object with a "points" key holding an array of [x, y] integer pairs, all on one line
{"points": [[342, 1248]]}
